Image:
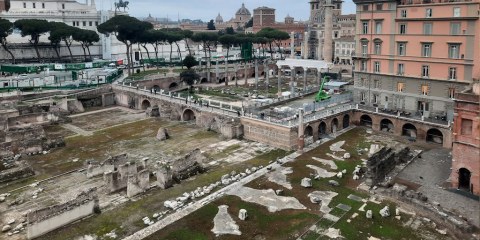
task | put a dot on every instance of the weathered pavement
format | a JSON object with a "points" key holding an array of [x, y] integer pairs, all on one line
{"points": [[226, 190], [431, 171]]}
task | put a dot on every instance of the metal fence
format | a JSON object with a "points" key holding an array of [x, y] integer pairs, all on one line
{"points": [[410, 115]]}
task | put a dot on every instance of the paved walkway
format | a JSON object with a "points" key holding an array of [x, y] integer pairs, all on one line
{"points": [[77, 130], [107, 109], [431, 171]]}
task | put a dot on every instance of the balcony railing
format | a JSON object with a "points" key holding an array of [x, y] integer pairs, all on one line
{"points": [[418, 115]]}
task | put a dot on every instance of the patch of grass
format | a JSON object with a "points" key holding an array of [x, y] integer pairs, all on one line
{"points": [[337, 212], [232, 148], [311, 236], [258, 152], [186, 234], [324, 223]]}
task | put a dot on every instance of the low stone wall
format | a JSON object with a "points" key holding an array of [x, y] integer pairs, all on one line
{"points": [[23, 121], [165, 177], [119, 180], [382, 162], [21, 170], [21, 134], [108, 99], [44, 220], [91, 102], [9, 149], [111, 164]]}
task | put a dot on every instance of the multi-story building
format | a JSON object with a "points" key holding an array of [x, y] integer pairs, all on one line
{"points": [[344, 50], [265, 17], [343, 25], [414, 55], [466, 143]]}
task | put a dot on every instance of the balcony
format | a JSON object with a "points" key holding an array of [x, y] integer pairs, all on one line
{"points": [[417, 2], [362, 56]]}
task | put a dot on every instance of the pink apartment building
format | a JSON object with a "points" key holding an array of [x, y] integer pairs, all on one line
{"points": [[414, 55]]}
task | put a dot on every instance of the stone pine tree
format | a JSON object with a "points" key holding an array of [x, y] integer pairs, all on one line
{"points": [[187, 35], [54, 38], [207, 40], [63, 32], [159, 37], [86, 39], [211, 25], [145, 38], [33, 28], [189, 77], [126, 30], [6, 28], [227, 40]]}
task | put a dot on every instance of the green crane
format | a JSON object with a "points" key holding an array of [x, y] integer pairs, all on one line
{"points": [[321, 95]]}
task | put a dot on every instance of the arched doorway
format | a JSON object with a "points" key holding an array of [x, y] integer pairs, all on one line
{"points": [[434, 136], [346, 121], [253, 74], [464, 179], [233, 78], [222, 80], [173, 85], [334, 125], [409, 130], [263, 73], [204, 80], [308, 131], [386, 125], [145, 104], [366, 121], [188, 115], [322, 129], [156, 87]]}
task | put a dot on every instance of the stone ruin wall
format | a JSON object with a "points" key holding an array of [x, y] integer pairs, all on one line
{"points": [[221, 124], [22, 141], [384, 161], [165, 177], [188, 165], [98, 168], [21, 170], [42, 221], [274, 135], [138, 183]]}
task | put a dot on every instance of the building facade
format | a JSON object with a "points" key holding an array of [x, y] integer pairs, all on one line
{"points": [[344, 50], [342, 25], [265, 17], [412, 56], [466, 143]]}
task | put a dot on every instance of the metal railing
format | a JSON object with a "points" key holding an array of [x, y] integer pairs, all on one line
{"points": [[409, 115]]}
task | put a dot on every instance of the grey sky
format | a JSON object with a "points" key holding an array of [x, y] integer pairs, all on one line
{"points": [[209, 9]]}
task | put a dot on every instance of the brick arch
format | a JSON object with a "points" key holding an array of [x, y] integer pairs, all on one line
{"points": [[409, 130], [334, 125], [308, 131], [366, 120], [387, 125], [188, 114], [346, 121], [145, 103], [434, 135]]}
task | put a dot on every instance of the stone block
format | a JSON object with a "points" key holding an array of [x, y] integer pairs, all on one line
{"points": [[306, 182], [162, 134], [385, 212], [242, 214], [369, 214]]}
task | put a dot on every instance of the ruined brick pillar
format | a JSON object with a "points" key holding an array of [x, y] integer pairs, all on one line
{"points": [[279, 82], [246, 73], [301, 136], [256, 74], [305, 79], [327, 48]]}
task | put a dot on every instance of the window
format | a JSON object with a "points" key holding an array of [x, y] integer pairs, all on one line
{"points": [[400, 87], [363, 96], [428, 13], [403, 13], [453, 51], [389, 5], [365, 7], [402, 28], [424, 90], [375, 98], [365, 28], [452, 73], [90, 24], [422, 106], [376, 67], [379, 6], [24, 5], [426, 50], [378, 27], [343, 45], [33, 5], [348, 52], [74, 24], [402, 49], [455, 28], [362, 82], [84, 23], [63, 6], [456, 12], [43, 5], [401, 69], [451, 93], [427, 28], [364, 48], [467, 126], [337, 51], [378, 48], [343, 51], [364, 66], [425, 72], [386, 98], [377, 82]]}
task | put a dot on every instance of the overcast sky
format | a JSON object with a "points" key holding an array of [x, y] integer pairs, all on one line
{"points": [[209, 9]]}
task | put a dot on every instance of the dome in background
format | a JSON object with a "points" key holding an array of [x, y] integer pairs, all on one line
{"points": [[219, 18], [243, 10]]}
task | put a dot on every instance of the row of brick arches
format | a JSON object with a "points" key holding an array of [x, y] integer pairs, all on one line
{"points": [[433, 135], [320, 129]]}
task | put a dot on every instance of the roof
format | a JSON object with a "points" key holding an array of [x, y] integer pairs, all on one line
{"points": [[345, 38], [348, 16], [219, 18], [243, 10], [335, 84], [318, 64], [288, 16]]}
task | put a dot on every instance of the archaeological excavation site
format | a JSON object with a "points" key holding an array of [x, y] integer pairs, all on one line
{"points": [[133, 161]]}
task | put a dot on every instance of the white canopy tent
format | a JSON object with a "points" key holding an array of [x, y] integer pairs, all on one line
{"points": [[305, 64]]}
